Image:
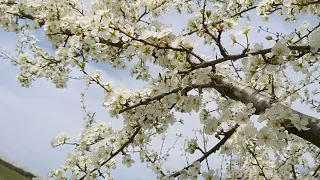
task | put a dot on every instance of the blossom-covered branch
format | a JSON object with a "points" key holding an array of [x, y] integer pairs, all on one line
{"points": [[224, 87], [214, 149]]}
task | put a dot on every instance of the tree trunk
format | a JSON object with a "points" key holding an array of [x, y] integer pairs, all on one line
{"points": [[245, 94]]}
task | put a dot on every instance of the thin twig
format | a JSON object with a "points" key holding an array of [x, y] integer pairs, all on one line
{"points": [[112, 155], [293, 172], [315, 171], [239, 56], [228, 134], [258, 164], [205, 148]]}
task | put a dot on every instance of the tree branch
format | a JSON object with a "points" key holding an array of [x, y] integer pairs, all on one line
{"points": [[306, 35], [239, 56], [258, 164], [160, 96], [112, 155], [238, 92], [228, 134], [315, 171]]}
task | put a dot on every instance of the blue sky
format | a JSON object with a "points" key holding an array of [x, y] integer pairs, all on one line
{"points": [[30, 117]]}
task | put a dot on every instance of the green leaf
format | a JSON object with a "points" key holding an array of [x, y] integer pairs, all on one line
{"points": [[200, 90], [82, 65]]}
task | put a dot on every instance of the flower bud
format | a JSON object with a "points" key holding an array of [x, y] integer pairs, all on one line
{"points": [[208, 13], [269, 38]]}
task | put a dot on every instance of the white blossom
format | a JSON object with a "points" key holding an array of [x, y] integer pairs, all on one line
{"points": [[245, 96], [280, 49], [127, 160], [314, 39], [210, 175], [60, 139]]}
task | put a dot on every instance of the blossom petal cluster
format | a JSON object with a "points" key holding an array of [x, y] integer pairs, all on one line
{"points": [[243, 99]]}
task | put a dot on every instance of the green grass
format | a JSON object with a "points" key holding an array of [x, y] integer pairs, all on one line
{"points": [[8, 174], [8, 171]]}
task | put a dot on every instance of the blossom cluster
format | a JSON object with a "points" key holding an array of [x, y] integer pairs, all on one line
{"points": [[128, 34]]}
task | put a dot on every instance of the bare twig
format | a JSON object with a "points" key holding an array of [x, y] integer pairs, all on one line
{"points": [[258, 164], [228, 134], [205, 148], [306, 35], [239, 56], [315, 171], [293, 172], [112, 155]]}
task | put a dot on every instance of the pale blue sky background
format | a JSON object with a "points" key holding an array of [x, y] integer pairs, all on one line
{"points": [[29, 118]]}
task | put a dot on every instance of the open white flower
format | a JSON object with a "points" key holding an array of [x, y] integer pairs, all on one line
{"points": [[314, 40], [209, 175], [179, 78], [280, 49], [265, 137], [127, 160], [60, 139]]}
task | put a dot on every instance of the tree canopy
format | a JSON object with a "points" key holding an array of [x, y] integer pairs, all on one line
{"points": [[243, 91]]}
